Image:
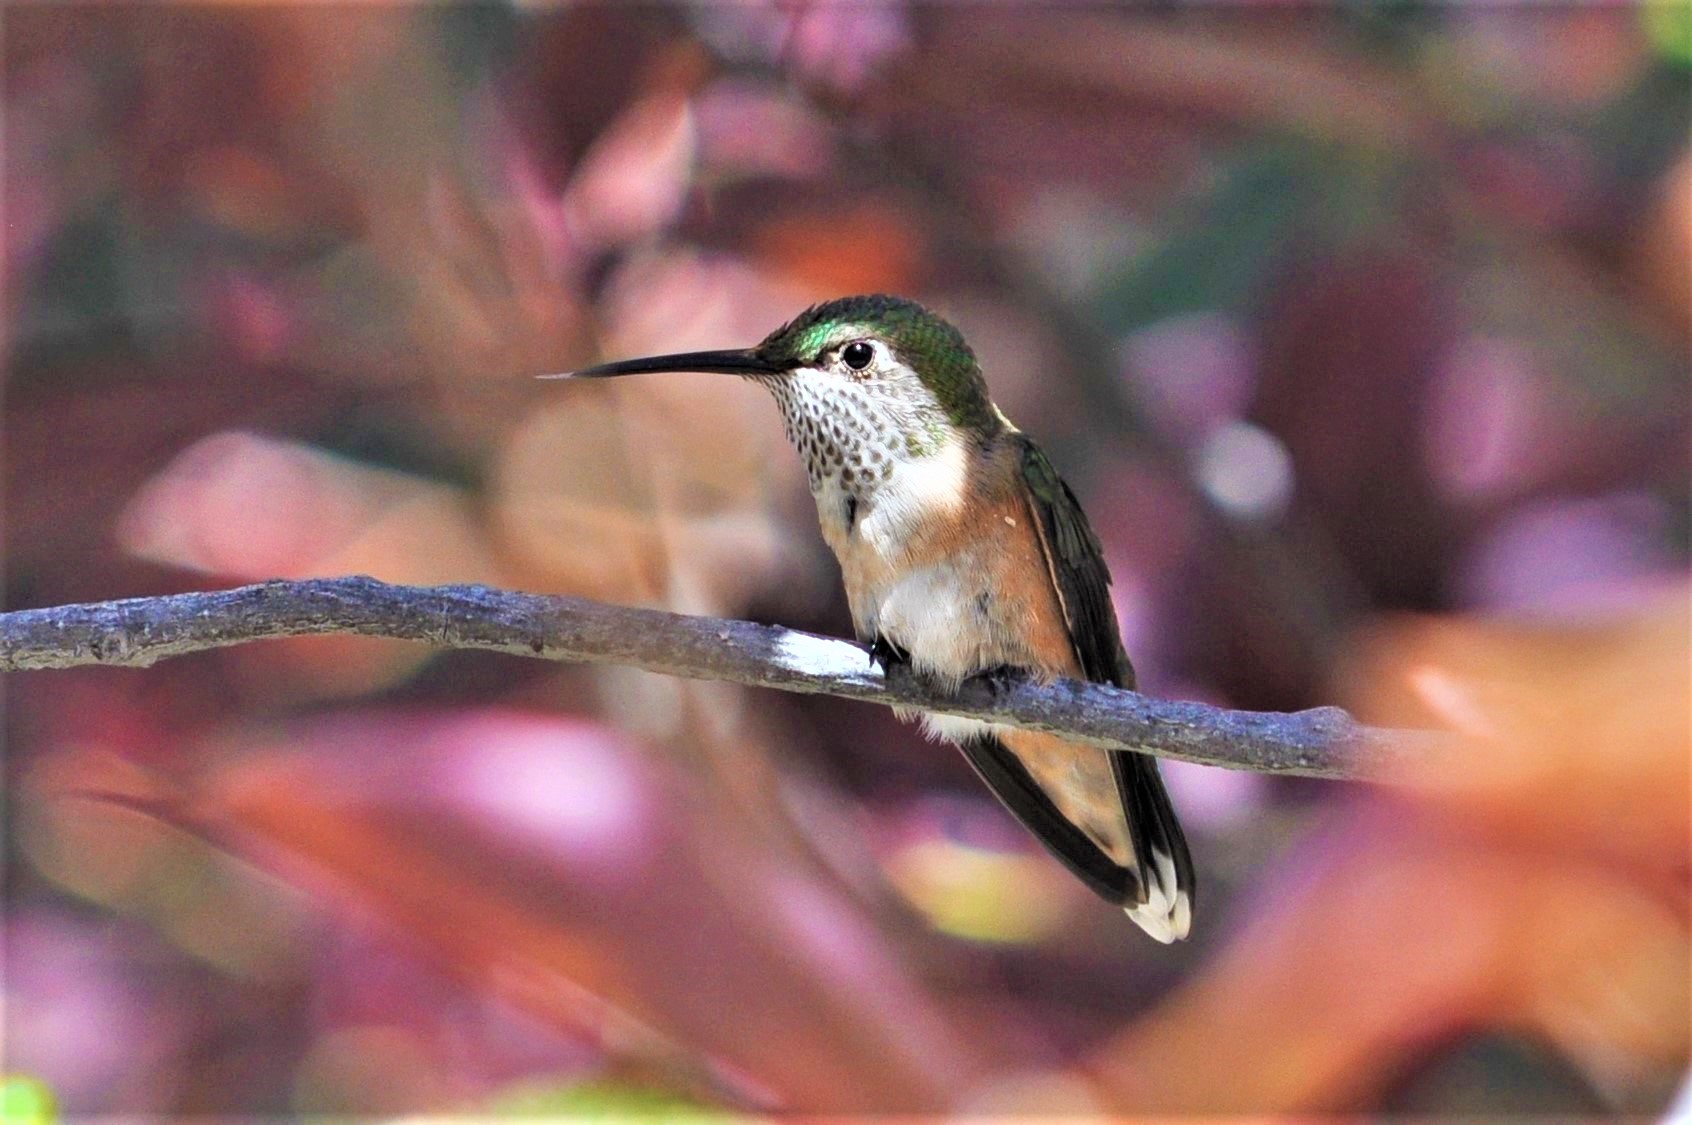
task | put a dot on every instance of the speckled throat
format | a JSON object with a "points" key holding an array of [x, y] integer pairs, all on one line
{"points": [[845, 434]]}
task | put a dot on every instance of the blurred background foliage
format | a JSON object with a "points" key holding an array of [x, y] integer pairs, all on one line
{"points": [[1361, 330]]}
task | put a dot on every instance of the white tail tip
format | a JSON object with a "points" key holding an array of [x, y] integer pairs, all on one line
{"points": [[1167, 927], [1167, 913]]}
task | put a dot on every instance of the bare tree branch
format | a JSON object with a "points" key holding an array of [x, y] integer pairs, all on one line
{"points": [[135, 632]]}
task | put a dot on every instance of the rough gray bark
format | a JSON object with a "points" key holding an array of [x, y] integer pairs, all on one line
{"points": [[135, 632]]}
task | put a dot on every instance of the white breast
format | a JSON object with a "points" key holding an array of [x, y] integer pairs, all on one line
{"points": [[918, 490], [913, 606], [932, 612]]}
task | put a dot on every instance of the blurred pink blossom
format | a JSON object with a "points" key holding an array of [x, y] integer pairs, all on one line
{"points": [[633, 180], [1192, 372], [254, 316], [748, 129], [80, 1017], [837, 43], [1563, 556]]}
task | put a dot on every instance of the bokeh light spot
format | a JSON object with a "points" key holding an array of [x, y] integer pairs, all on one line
{"points": [[1246, 470], [26, 1101], [977, 893]]}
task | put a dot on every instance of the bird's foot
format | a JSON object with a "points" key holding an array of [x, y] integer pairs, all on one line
{"points": [[884, 654], [1000, 678]]}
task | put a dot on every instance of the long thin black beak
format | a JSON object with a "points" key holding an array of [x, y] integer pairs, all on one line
{"points": [[742, 362]]}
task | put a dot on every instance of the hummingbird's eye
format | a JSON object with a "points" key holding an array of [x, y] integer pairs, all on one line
{"points": [[858, 355]]}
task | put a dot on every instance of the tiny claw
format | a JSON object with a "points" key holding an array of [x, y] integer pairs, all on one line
{"points": [[999, 678], [885, 654]]}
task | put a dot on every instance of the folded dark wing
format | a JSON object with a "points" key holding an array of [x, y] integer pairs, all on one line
{"points": [[1075, 561]]}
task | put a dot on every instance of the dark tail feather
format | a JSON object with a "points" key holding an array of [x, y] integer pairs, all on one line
{"points": [[1009, 781], [1165, 907], [1157, 892]]}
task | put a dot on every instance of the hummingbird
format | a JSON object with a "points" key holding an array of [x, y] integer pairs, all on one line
{"points": [[964, 553]]}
